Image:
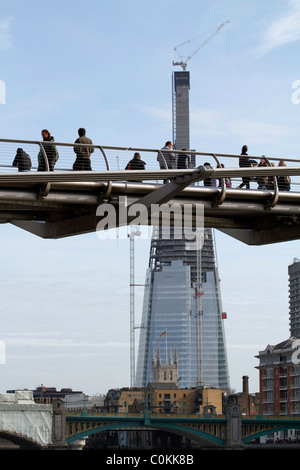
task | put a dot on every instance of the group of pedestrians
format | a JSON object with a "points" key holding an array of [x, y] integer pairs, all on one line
{"points": [[263, 182], [83, 151], [165, 157], [23, 161], [167, 160]]}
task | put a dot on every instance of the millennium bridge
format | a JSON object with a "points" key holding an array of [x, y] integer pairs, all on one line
{"points": [[63, 202]]}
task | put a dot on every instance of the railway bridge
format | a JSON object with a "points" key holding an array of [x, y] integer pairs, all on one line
{"points": [[230, 430], [41, 426]]}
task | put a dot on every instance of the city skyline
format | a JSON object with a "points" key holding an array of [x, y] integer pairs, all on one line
{"points": [[65, 320]]}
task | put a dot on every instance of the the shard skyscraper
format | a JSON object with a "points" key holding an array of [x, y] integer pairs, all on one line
{"points": [[182, 303], [181, 313]]}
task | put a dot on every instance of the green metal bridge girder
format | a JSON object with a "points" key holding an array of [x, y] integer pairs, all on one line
{"points": [[276, 425], [179, 425], [176, 429]]}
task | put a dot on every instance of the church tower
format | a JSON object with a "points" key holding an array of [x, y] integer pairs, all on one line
{"points": [[165, 373]]}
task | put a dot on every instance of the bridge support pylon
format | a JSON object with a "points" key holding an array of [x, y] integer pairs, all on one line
{"points": [[233, 433], [59, 427]]}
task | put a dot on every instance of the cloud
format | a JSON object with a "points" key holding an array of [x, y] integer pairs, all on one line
{"points": [[5, 36], [158, 112], [261, 132], [205, 121], [56, 340], [282, 31], [246, 346]]}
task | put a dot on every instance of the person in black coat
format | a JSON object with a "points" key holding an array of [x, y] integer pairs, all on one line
{"points": [[183, 161], [245, 162], [50, 150], [136, 163], [22, 160], [284, 182]]}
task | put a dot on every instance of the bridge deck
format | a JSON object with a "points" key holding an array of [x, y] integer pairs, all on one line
{"points": [[64, 202]]}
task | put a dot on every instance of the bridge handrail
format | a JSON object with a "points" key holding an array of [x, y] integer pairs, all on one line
{"points": [[110, 160], [192, 416], [214, 155], [271, 418], [245, 418]]}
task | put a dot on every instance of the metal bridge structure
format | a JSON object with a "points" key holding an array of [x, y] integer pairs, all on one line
{"points": [[221, 431], [64, 202], [39, 426]]}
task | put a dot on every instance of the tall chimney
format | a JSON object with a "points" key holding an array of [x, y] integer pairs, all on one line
{"points": [[245, 384]]}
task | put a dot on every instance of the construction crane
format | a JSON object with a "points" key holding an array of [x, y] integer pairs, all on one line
{"points": [[133, 233], [183, 63], [183, 124]]}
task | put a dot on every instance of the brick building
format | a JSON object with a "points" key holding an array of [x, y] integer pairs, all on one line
{"points": [[279, 377]]}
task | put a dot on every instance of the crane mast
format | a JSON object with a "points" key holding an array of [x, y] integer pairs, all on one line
{"points": [[133, 233]]}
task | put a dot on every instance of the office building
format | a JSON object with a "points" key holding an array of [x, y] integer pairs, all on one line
{"points": [[182, 303], [182, 314], [294, 297]]}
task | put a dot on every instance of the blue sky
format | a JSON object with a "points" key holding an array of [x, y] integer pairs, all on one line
{"points": [[107, 66]]}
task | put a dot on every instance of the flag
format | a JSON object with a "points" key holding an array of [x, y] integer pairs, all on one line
{"points": [[164, 333]]}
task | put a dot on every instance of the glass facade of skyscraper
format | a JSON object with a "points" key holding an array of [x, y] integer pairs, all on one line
{"points": [[183, 310]]}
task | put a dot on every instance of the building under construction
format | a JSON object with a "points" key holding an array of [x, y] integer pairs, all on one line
{"points": [[182, 308], [181, 313]]}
